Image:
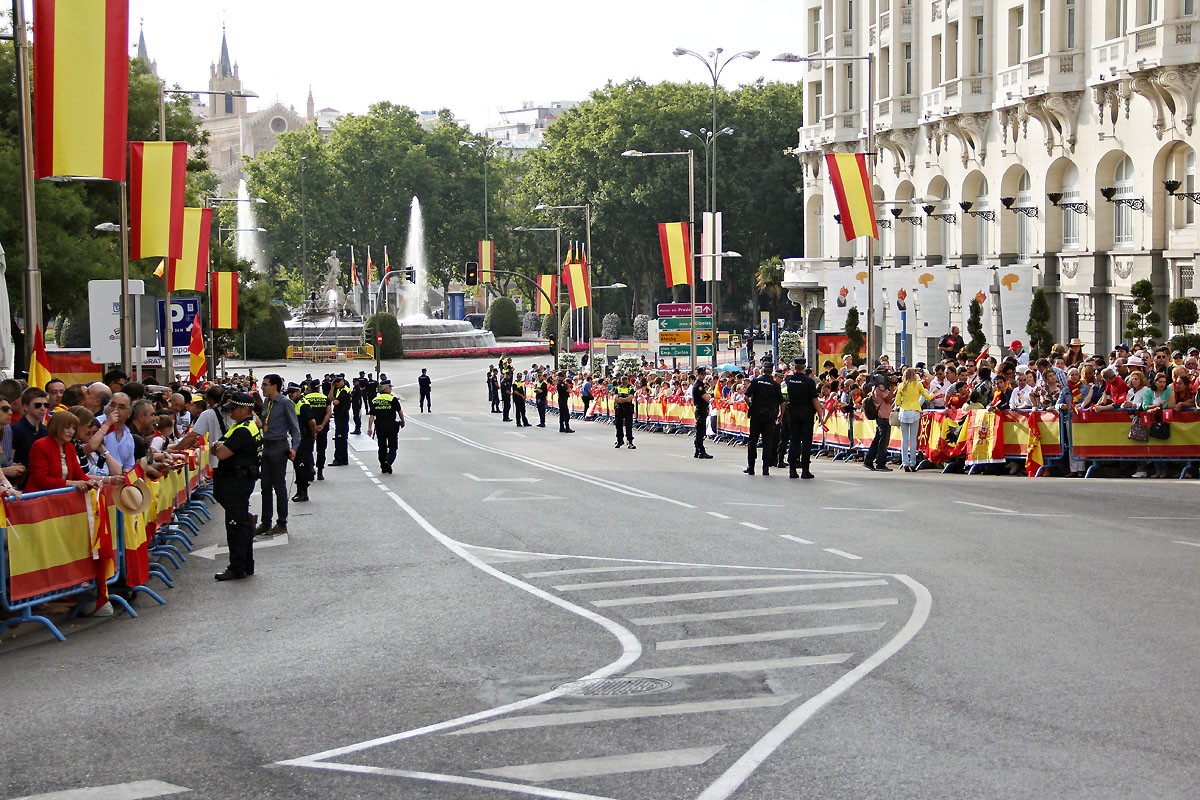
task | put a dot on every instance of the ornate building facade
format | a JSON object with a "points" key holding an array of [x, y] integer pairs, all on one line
{"points": [[1018, 144]]}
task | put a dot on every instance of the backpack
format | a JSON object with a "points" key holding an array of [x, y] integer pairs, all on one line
{"points": [[868, 406]]}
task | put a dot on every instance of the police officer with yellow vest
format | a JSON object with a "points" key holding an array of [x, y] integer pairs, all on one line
{"points": [[341, 398], [386, 420], [303, 463], [320, 411], [238, 451], [624, 403]]}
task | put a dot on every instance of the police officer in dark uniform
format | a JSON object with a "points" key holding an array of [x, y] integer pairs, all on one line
{"points": [[803, 409], [493, 384], [303, 463], [238, 451], [425, 388], [506, 384], [320, 409], [700, 400], [387, 418], [783, 430], [340, 398], [564, 404], [520, 411], [356, 403], [370, 389], [624, 403], [541, 394], [765, 399]]}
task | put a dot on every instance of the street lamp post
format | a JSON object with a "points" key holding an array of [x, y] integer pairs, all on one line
{"points": [[304, 222], [587, 226], [33, 275], [869, 58], [557, 262], [692, 227]]}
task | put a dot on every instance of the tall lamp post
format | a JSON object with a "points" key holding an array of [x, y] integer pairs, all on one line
{"points": [[557, 266], [869, 58], [692, 226], [587, 226], [708, 140], [213, 201]]}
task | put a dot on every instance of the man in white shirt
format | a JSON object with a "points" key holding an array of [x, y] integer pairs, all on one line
{"points": [[939, 387], [1018, 352], [211, 422]]}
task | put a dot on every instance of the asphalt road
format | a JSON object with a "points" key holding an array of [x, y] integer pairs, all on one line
{"points": [[418, 635]]}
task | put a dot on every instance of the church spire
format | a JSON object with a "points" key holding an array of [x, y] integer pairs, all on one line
{"points": [[142, 52], [224, 66], [312, 106]]}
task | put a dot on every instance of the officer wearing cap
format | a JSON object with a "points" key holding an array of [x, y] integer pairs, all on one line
{"points": [[803, 408], [624, 403], [302, 464], [386, 420], [238, 451], [321, 411], [765, 399], [356, 404], [340, 400], [700, 400], [783, 431]]}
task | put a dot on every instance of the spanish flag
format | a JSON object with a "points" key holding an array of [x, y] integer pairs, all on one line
{"points": [[387, 263], [575, 276], [160, 271], [353, 269], [39, 362], [191, 272], [848, 174], [676, 241], [49, 544], [549, 285], [224, 300], [198, 364], [487, 260], [370, 268], [157, 176], [1034, 459], [81, 87]]}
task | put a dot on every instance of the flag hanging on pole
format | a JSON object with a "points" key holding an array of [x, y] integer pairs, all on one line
{"points": [[224, 300], [190, 273], [711, 242], [198, 363], [160, 271], [575, 276], [81, 88], [387, 263], [848, 174], [549, 285], [487, 260], [676, 242], [1034, 459], [353, 269], [157, 178], [370, 268], [39, 363]]}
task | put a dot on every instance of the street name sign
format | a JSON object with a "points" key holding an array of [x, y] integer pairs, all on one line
{"points": [[681, 337], [668, 350], [685, 323], [684, 309]]}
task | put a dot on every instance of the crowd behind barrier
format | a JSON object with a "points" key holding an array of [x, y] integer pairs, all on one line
{"points": [[76, 544]]}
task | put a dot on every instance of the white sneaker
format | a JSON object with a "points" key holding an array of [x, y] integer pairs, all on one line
{"points": [[1141, 473], [105, 610]]}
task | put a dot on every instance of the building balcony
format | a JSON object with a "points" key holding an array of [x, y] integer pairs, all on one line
{"points": [[1106, 60], [1008, 85], [1161, 44], [933, 104], [803, 273], [969, 95], [899, 111], [1064, 72], [812, 137]]}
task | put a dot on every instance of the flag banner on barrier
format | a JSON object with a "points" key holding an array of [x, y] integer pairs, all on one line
{"points": [[49, 544], [985, 438], [1105, 435]]}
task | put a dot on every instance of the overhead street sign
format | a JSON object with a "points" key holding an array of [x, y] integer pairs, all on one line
{"points": [[684, 309], [685, 323], [685, 350], [682, 337]]}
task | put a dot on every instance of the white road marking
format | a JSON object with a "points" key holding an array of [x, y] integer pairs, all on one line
{"points": [[376, 480], [606, 765], [571, 587], [626, 712], [676, 455], [635, 568], [765, 612], [1014, 514], [510, 494], [986, 508], [843, 554], [743, 666], [1190, 544], [843, 483], [117, 791], [794, 538], [368, 473], [874, 510], [500, 480], [752, 526], [756, 505], [768, 636], [212, 551], [514, 433], [717, 515], [1173, 519], [675, 598]]}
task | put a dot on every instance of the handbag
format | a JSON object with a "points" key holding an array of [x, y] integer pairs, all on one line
{"points": [[1159, 429], [894, 419], [1137, 431]]}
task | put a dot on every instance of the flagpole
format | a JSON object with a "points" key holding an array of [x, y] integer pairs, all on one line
{"points": [[126, 316], [871, 343], [168, 325], [33, 275]]}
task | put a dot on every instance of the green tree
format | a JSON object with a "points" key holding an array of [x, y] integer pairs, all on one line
{"points": [[855, 338], [768, 282], [610, 327], [641, 327], [791, 346], [393, 346], [502, 318], [1038, 327], [1182, 313], [975, 329], [266, 336], [1142, 325]]}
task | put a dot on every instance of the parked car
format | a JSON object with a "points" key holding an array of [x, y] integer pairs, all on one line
{"points": [[476, 320]]}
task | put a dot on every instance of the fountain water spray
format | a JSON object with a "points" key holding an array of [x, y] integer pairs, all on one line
{"points": [[414, 295], [248, 246]]}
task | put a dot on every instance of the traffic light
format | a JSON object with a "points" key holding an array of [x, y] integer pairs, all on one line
{"points": [[472, 273], [553, 345], [410, 274]]}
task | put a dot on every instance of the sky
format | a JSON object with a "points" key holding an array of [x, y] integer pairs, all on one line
{"points": [[472, 57]]}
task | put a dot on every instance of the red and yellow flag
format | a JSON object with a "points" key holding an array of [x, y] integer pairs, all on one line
{"points": [[39, 363], [1034, 459], [157, 177], [353, 269], [676, 241], [49, 544], [198, 364], [81, 87], [370, 268], [387, 263], [487, 260], [224, 300], [549, 285], [848, 174], [575, 276], [190, 273]]}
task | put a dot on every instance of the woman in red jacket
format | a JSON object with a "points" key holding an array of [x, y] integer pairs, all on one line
{"points": [[53, 462]]}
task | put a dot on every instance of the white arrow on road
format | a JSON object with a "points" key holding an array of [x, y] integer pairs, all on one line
{"points": [[514, 433], [211, 553], [509, 494], [500, 480]]}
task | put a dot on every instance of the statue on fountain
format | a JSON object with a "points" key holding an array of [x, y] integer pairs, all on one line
{"points": [[331, 290]]}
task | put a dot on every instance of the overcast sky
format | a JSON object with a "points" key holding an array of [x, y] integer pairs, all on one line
{"points": [[469, 56]]}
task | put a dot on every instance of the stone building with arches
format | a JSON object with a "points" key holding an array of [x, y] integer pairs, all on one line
{"points": [[1020, 144]]}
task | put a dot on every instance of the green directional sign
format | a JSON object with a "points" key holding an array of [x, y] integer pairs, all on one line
{"points": [[684, 323], [668, 350]]}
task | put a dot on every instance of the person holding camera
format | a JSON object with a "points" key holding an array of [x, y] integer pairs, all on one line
{"points": [[880, 397]]}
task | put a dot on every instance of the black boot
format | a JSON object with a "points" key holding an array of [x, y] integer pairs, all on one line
{"points": [[301, 495], [792, 473], [749, 470]]}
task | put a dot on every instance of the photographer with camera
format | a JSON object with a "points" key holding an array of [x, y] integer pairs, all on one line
{"points": [[877, 405]]}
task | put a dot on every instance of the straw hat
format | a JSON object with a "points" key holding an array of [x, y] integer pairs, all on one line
{"points": [[134, 499]]}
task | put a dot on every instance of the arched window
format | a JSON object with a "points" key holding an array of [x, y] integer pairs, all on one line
{"points": [[1024, 223], [1070, 220], [982, 226], [1123, 214]]}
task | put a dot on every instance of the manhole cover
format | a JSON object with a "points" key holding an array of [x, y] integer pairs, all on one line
{"points": [[607, 687]]}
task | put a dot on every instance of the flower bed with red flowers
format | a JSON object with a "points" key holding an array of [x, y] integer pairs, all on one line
{"points": [[483, 352]]}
